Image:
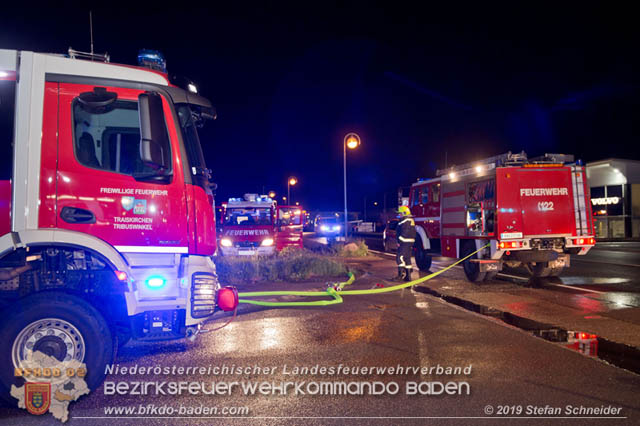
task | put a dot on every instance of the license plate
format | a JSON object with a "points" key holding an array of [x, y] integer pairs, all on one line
{"points": [[508, 235], [246, 252]]}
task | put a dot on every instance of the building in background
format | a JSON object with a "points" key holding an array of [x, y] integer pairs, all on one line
{"points": [[615, 197]]}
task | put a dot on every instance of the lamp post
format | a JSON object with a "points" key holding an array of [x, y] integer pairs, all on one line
{"points": [[272, 194], [290, 182], [351, 141]]}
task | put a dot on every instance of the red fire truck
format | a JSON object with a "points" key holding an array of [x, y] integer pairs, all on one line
{"points": [[107, 221], [533, 213], [256, 225]]}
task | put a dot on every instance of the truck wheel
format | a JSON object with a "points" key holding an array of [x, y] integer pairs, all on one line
{"points": [[538, 269], [471, 269], [59, 325], [423, 260]]}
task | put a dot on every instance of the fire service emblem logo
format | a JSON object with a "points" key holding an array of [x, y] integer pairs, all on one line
{"points": [[37, 397], [127, 203]]}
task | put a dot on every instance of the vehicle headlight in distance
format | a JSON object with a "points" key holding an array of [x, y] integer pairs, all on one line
{"points": [[226, 242], [324, 228], [336, 228], [267, 242]]}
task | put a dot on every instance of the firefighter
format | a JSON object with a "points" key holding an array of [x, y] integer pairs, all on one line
{"points": [[406, 236]]}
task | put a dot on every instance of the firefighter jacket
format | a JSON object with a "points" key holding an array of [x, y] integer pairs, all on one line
{"points": [[406, 230]]}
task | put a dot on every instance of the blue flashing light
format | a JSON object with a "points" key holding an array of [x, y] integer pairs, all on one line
{"points": [[152, 59], [156, 282]]}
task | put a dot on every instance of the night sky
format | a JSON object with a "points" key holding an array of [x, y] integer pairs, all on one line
{"points": [[417, 83]]}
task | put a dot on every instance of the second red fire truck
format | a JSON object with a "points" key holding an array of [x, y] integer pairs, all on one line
{"points": [[531, 212], [256, 225]]}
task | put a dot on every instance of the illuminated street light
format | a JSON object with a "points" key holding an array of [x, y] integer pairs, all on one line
{"points": [[284, 199], [272, 194], [351, 140], [292, 181]]}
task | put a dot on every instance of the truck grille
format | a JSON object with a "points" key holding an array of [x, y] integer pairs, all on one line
{"points": [[244, 244], [203, 294]]}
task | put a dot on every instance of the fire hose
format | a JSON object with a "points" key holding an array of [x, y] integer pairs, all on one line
{"points": [[336, 291]]}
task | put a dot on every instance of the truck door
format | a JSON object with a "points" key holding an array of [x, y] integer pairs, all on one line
{"points": [[103, 187], [289, 227]]}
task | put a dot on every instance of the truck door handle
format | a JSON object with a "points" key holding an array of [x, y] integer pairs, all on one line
{"points": [[76, 215]]}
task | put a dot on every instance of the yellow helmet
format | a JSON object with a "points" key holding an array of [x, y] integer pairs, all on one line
{"points": [[404, 210]]}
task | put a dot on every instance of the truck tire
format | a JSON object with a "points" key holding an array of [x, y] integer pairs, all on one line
{"points": [[538, 269], [387, 247], [63, 322], [471, 269], [423, 260]]}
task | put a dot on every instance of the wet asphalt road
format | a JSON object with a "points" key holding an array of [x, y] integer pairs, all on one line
{"points": [[508, 367]]}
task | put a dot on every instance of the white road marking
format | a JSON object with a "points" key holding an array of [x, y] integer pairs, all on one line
{"points": [[513, 276], [579, 288], [605, 263]]}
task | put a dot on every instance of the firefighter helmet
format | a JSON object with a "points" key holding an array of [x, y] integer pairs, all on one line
{"points": [[404, 210]]}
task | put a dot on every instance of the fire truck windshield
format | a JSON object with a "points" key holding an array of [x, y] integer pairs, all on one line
{"points": [[190, 119], [248, 216]]}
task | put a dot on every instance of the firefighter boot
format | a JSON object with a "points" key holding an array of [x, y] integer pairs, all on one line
{"points": [[407, 274], [400, 275]]}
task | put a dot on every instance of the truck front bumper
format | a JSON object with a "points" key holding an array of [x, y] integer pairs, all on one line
{"points": [[248, 251]]}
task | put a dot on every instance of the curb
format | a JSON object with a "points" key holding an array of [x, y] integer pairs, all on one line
{"points": [[615, 353]]}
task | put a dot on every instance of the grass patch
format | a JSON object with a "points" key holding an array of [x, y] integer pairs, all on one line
{"points": [[288, 265], [354, 249]]}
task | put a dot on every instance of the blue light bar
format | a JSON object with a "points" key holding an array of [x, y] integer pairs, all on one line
{"points": [[152, 59]]}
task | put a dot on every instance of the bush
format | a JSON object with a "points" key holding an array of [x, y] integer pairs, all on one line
{"points": [[290, 264], [355, 249]]}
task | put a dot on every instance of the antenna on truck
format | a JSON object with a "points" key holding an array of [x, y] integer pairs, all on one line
{"points": [[91, 30], [76, 54]]}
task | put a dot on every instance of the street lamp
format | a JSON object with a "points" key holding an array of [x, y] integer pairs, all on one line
{"points": [[352, 141], [292, 181], [272, 194]]}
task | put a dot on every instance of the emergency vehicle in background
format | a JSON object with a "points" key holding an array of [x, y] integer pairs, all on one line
{"points": [[532, 213], [107, 223], [256, 225]]}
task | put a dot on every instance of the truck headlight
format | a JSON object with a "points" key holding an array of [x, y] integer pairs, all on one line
{"points": [[267, 242], [226, 242], [324, 228]]}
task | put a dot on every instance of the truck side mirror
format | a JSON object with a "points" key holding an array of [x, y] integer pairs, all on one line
{"points": [[154, 141]]}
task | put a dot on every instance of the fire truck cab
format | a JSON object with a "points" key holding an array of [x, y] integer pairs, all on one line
{"points": [[256, 225], [530, 212], [107, 223]]}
